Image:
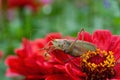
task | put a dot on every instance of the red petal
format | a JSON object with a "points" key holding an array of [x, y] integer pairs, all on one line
{"points": [[53, 36], [76, 62], [26, 50], [60, 56], [58, 77], [35, 77], [59, 68], [115, 47], [114, 79], [72, 73], [9, 73], [102, 38], [40, 42], [86, 35], [113, 42], [16, 65], [8, 59], [117, 69]]}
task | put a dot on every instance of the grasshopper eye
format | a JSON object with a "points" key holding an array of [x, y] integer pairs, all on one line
{"points": [[55, 41]]}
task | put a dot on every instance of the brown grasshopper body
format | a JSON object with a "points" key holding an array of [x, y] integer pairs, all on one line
{"points": [[72, 47]]}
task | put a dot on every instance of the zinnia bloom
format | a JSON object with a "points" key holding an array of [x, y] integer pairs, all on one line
{"points": [[54, 64]]}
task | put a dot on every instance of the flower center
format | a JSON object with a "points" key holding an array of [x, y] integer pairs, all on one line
{"points": [[98, 65]]}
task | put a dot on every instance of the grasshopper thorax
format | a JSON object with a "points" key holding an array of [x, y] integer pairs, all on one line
{"points": [[61, 44]]}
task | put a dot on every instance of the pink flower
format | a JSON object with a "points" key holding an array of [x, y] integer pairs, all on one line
{"points": [[1, 54], [46, 1]]}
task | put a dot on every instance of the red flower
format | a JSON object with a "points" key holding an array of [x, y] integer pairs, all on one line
{"points": [[104, 63], [54, 64], [33, 4], [32, 63]]}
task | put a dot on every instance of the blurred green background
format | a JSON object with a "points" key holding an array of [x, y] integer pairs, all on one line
{"points": [[65, 16]]}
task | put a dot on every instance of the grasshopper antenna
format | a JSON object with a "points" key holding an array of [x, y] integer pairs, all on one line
{"points": [[45, 47], [48, 42], [73, 44]]}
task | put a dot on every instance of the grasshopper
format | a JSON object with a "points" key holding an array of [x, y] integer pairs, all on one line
{"points": [[73, 47]]}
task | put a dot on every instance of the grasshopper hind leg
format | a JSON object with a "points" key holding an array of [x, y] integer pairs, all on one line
{"points": [[70, 48]]}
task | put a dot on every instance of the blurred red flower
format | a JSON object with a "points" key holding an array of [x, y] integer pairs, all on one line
{"points": [[35, 64], [33, 4]]}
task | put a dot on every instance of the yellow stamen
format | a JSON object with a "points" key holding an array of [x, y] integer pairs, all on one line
{"points": [[102, 67]]}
